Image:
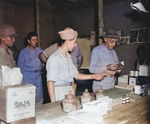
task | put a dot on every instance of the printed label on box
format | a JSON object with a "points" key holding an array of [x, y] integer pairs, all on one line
{"points": [[21, 104]]}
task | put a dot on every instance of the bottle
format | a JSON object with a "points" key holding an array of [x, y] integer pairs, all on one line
{"points": [[86, 97], [69, 103]]}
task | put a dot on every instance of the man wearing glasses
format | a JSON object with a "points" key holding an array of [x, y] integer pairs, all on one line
{"points": [[104, 59]]}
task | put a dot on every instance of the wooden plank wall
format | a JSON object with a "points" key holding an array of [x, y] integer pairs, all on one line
{"points": [[84, 45]]}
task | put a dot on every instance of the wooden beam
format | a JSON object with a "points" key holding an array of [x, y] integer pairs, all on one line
{"points": [[82, 2], [100, 17], [38, 22]]}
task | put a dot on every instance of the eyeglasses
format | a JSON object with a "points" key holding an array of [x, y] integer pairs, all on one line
{"points": [[12, 37], [112, 40]]}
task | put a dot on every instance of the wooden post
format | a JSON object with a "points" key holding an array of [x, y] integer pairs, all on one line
{"points": [[38, 22], [100, 17]]}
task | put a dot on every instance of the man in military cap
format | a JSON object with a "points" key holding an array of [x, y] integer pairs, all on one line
{"points": [[104, 59], [7, 33], [61, 70]]}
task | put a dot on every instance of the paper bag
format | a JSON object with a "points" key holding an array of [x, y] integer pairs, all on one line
{"points": [[11, 76]]}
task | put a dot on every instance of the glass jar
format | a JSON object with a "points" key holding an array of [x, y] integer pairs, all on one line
{"points": [[86, 97], [69, 103], [99, 93]]}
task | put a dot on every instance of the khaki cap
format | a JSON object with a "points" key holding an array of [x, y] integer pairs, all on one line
{"points": [[7, 30], [67, 34]]}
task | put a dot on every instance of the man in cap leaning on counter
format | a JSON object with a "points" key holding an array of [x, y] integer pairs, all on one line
{"points": [[104, 59], [61, 70], [7, 33]]}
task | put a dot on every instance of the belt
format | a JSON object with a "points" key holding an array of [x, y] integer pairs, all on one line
{"points": [[67, 84], [36, 71]]}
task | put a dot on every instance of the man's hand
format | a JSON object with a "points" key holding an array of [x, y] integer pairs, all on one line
{"points": [[99, 76], [111, 72], [112, 67], [118, 70]]}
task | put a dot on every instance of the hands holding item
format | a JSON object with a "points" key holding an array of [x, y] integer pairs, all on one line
{"points": [[120, 66], [115, 68]]}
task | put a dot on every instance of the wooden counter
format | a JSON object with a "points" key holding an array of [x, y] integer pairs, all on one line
{"points": [[130, 113]]}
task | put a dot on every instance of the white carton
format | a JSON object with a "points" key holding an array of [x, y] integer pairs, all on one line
{"points": [[98, 106], [85, 117], [17, 102]]}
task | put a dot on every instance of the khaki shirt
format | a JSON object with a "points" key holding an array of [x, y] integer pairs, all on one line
{"points": [[6, 59], [60, 68]]}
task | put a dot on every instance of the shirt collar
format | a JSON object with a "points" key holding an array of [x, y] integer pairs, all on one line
{"points": [[3, 51], [30, 49], [60, 52], [105, 48]]}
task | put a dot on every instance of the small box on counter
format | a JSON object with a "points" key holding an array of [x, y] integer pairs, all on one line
{"points": [[123, 80], [132, 80], [17, 102], [98, 106]]}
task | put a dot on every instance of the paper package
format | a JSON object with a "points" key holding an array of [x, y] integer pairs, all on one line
{"points": [[11, 76]]}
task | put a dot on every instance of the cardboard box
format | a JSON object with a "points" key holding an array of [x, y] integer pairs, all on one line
{"points": [[17, 102], [98, 106]]}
